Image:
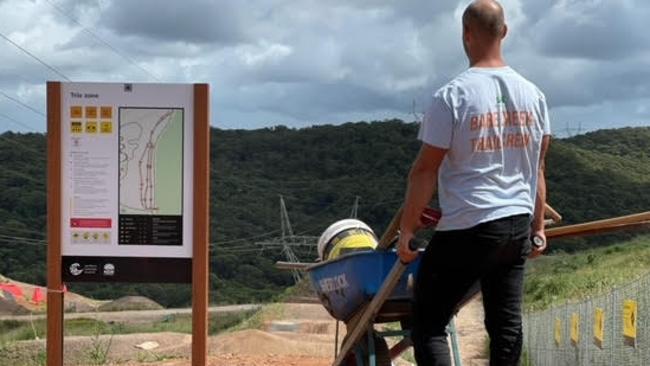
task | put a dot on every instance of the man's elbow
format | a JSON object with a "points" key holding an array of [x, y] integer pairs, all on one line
{"points": [[419, 172]]}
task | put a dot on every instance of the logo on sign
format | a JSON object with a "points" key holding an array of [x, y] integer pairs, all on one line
{"points": [[75, 269], [109, 269]]}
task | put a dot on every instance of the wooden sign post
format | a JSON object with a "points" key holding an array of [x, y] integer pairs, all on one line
{"points": [[128, 193], [200, 261], [54, 279]]}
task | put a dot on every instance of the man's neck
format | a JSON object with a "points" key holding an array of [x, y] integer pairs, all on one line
{"points": [[488, 63], [489, 58]]}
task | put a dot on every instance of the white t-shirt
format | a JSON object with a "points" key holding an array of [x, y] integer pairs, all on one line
{"points": [[492, 121]]}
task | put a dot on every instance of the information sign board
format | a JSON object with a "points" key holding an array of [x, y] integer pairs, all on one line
{"points": [[126, 182]]}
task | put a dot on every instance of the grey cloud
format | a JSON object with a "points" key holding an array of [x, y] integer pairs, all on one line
{"points": [[133, 46], [366, 52], [424, 11], [349, 98], [317, 100], [202, 21], [419, 11], [73, 12], [592, 30], [579, 82], [287, 61], [536, 10]]}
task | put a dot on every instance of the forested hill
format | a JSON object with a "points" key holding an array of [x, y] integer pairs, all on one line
{"points": [[319, 171]]}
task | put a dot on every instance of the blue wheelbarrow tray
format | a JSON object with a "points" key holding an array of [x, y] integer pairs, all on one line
{"points": [[346, 283]]}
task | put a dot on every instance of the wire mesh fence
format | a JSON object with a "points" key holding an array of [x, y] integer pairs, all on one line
{"points": [[612, 329]]}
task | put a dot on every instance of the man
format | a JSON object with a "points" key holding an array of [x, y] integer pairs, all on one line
{"points": [[484, 140]]}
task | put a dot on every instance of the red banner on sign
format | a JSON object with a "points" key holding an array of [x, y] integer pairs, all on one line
{"points": [[90, 223]]}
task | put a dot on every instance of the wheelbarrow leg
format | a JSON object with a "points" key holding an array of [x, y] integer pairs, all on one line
{"points": [[358, 355], [455, 347], [369, 313], [336, 340], [372, 356]]}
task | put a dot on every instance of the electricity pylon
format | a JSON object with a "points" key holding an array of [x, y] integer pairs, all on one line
{"points": [[289, 240]]}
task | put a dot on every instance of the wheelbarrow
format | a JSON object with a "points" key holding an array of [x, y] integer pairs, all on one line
{"points": [[356, 289], [365, 288]]}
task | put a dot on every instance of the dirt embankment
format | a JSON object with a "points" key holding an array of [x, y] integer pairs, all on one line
{"points": [[305, 333], [19, 298]]}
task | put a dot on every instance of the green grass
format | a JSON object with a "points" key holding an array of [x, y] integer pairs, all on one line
{"points": [[12, 330], [555, 279], [257, 320]]}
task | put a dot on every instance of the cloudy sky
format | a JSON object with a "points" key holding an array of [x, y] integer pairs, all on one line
{"points": [[306, 62]]}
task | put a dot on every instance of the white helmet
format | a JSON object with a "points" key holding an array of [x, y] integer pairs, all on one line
{"points": [[338, 228]]}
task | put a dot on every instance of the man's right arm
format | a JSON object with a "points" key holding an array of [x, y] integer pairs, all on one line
{"points": [[422, 184]]}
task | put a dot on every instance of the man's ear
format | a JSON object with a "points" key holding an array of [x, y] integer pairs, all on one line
{"points": [[505, 31]]}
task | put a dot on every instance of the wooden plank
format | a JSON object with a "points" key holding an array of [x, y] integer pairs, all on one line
{"points": [[400, 347], [599, 226], [552, 214], [352, 322], [370, 312], [54, 346], [548, 222], [201, 218], [601, 230], [290, 266], [391, 231]]}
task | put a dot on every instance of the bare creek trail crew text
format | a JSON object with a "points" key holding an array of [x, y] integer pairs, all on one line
{"points": [[513, 137]]}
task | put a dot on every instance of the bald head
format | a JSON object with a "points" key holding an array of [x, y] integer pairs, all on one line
{"points": [[485, 17]]}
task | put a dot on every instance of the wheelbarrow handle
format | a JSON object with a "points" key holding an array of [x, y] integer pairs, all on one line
{"points": [[415, 244]]}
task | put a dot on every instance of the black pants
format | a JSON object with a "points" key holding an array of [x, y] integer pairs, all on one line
{"points": [[456, 263]]}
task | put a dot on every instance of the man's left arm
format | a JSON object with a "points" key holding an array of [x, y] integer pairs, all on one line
{"points": [[540, 199], [422, 184]]}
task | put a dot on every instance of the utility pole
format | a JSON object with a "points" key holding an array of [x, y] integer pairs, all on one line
{"points": [[285, 224], [355, 208]]}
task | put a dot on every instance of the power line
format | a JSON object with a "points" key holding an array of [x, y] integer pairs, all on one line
{"points": [[29, 240], [311, 227], [314, 218], [10, 230], [381, 203], [244, 239], [18, 122], [105, 43], [10, 239], [22, 104], [52, 68], [22, 243], [38, 154], [27, 177], [258, 245], [248, 180]]}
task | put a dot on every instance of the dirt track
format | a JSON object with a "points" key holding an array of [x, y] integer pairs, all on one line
{"points": [[310, 341], [471, 333], [246, 360], [299, 334]]}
